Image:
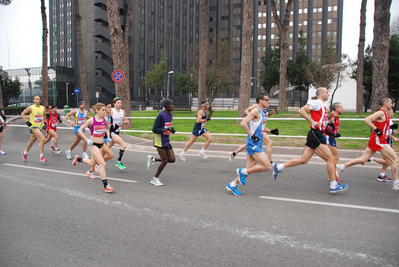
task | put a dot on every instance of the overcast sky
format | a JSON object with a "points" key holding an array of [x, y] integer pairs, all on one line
{"points": [[21, 31]]}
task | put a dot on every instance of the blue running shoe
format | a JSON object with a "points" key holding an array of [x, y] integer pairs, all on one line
{"points": [[339, 188], [241, 176], [275, 171], [233, 190]]}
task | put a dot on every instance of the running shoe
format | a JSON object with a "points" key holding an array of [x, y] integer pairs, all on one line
{"points": [[241, 176], [75, 160], [383, 179], [108, 189], [156, 182], [339, 188], [2, 152], [275, 171], [42, 159], [52, 148], [395, 186], [120, 165], [90, 174], [85, 156], [68, 154], [338, 169], [57, 151], [24, 156], [234, 190], [231, 157], [182, 157], [202, 154], [97, 168], [150, 161]]}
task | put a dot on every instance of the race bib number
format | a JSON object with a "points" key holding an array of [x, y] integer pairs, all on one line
{"points": [[81, 121], [38, 119], [99, 131], [168, 125]]}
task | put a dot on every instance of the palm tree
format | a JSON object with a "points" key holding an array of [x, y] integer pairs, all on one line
{"points": [[246, 57], [203, 53], [283, 29], [360, 58], [44, 51], [380, 51]]}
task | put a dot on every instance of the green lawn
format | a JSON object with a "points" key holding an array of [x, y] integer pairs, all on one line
{"points": [[294, 128]]}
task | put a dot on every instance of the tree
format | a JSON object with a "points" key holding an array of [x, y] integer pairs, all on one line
{"points": [[269, 75], [367, 76], [360, 58], [120, 49], [395, 25], [283, 30], [156, 77], [45, 52], [380, 51], [246, 57], [203, 51], [82, 69], [11, 89], [393, 75]]}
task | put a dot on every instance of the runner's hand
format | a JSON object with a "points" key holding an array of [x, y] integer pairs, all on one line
{"points": [[378, 132], [172, 130], [275, 131], [44, 127], [89, 142], [28, 123], [255, 138], [337, 135]]}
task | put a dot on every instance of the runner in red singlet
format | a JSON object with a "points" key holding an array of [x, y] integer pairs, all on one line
{"points": [[52, 120]]}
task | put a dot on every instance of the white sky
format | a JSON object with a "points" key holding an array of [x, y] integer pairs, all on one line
{"points": [[21, 31]]}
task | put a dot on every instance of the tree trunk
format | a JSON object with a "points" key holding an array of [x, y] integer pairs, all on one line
{"points": [[1, 96], [360, 58], [380, 51], [82, 68], [120, 51], [283, 30], [246, 57], [45, 56], [203, 52]]}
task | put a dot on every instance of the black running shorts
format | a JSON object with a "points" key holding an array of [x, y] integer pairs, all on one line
{"points": [[315, 138]]}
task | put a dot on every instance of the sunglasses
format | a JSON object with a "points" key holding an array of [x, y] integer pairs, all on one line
{"points": [[266, 99]]}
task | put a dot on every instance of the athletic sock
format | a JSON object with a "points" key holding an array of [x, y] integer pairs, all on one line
{"points": [[202, 150], [233, 184], [371, 159], [183, 152], [244, 171], [280, 166], [105, 183], [121, 154], [333, 184], [26, 153], [41, 155], [382, 174], [80, 159], [52, 141], [395, 182]]}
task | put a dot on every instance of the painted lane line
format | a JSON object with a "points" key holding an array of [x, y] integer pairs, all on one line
{"points": [[330, 204], [64, 172]]}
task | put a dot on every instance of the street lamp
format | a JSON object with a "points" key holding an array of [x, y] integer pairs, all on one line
{"points": [[167, 85], [67, 93], [253, 85]]}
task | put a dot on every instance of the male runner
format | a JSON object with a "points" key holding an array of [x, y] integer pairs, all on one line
{"points": [[52, 120], [254, 125], [80, 115], [2, 126], [198, 130], [119, 117], [35, 123], [162, 128], [318, 121], [378, 141]]}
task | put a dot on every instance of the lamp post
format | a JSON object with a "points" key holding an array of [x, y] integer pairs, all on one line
{"points": [[167, 85], [67, 93], [253, 85], [29, 84]]}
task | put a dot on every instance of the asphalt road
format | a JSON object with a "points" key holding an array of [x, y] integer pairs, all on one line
{"points": [[53, 215]]}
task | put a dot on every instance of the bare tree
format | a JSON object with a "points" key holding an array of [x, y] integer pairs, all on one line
{"points": [[380, 51], [360, 58], [283, 29], [45, 56], [120, 49], [82, 69], [395, 25], [203, 53], [246, 57]]}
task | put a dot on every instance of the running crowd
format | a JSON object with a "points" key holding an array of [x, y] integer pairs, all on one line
{"points": [[107, 122]]}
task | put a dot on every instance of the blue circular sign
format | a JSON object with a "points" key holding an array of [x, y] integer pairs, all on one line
{"points": [[118, 76], [76, 90]]}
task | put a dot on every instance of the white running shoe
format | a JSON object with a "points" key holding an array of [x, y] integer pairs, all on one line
{"points": [[231, 157], [57, 151], [156, 182], [202, 154], [182, 157], [85, 156], [68, 154]]}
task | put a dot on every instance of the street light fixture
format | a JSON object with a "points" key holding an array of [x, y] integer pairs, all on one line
{"points": [[167, 85], [67, 93]]}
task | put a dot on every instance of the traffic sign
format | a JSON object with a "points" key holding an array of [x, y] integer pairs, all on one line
{"points": [[118, 76], [97, 94], [76, 90]]}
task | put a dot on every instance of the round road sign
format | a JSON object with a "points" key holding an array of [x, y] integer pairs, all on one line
{"points": [[118, 76]]}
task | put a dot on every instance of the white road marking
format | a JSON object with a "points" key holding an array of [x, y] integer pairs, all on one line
{"points": [[64, 172], [330, 204]]}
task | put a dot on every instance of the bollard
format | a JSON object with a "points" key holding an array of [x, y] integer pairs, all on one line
{"points": [[66, 109], [140, 107]]}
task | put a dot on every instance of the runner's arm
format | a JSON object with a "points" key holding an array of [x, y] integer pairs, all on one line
{"points": [[200, 116], [158, 128], [248, 110], [244, 124], [303, 111], [24, 113], [84, 126], [369, 120]]}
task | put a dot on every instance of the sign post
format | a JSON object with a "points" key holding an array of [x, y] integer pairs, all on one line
{"points": [[118, 77], [97, 96], [77, 99]]}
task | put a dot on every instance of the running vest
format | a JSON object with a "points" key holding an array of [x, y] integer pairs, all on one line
{"points": [[118, 118], [98, 129], [37, 116], [53, 120], [256, 128], [333, 127], [80, 118], [382, 125], [320, 115], [162, 139], [200, 125]]}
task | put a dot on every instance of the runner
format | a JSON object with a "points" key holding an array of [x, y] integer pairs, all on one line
{"points": [[119, 117], [198, 130], [318, 121], [80, 115], [253, 124], [52, 120], [2, 127], [162, 127], [35, 123], [266, 138], [98, 129]]}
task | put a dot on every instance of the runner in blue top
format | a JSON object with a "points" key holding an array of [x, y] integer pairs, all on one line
{"points": [[253, 124], [163, 127]]}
